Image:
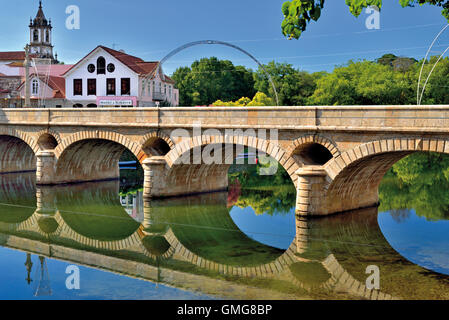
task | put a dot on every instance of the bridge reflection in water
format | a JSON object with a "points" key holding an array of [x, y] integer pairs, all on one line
{"points": [[192, 243]]}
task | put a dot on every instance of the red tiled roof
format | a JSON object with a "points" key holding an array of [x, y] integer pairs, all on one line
{"points": [[147, 67], [58, 94], [55, 83], [169, 80], [12, 55]]}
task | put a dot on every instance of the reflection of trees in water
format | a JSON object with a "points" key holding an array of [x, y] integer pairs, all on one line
{"points": [[400, 215], [17, 197], [356, 241], [203, 225], [94, 211], [418, 182], [265, 194]]}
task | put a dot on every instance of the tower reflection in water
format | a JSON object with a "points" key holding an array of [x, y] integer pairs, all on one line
{"points": [[193, 243]]}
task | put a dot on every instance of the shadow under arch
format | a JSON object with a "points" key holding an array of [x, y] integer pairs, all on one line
{"points": [[189, 173], [313, 149], [355, 175], [16, 154], [47, 141], [217, 42], [92, 156]]}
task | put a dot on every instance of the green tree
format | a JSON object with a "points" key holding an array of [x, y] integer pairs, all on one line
{"points": [[298, 13], [211, 79], [265, 194], [259, 100], [420, 182], [402, 64], [437, 89], [364, 83], [293, 86]]}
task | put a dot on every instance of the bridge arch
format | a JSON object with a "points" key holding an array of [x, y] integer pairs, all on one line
{"points": [[354, 176], [182, 177], [156, 143], [92, 156], [17, 151], [103, 135], [313, 149], [48, 139], [263, 145]]}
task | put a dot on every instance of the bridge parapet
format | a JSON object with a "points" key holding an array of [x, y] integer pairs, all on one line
{"points": [[347, 118]]}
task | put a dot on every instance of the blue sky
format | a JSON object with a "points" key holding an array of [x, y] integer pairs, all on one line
{"points": [[150, 29]]}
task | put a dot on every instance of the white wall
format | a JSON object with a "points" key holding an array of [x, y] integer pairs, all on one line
{"points": [[80, 72], [45, 92]]}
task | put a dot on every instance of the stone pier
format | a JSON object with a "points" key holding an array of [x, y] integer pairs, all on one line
{"points": [[310, 183]]}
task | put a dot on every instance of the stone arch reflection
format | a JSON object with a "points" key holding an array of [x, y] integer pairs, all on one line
{"points": [[94, 211], [202, 233], [17, 197], [346, 244]]}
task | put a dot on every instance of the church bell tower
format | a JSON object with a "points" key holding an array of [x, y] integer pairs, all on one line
{"points": [[40, 36]]}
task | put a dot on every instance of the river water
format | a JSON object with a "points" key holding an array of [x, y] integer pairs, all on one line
{"points": [[239, 244]]}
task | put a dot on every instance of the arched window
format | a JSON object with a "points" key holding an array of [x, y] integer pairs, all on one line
{"points": [[35, 35], [47, 36], [101, 65], [35, 87]]}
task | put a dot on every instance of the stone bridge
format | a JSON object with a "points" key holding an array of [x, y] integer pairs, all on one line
{"points": [[336, 156]]}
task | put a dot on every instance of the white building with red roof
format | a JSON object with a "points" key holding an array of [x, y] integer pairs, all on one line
{"points": [[46, 92], [109, 78]]}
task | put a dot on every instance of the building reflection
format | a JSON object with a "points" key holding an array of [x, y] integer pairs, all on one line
{"points": [[133, 204]]}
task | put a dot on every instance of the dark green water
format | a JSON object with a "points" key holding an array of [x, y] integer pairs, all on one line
{"points": [[240, 244]]}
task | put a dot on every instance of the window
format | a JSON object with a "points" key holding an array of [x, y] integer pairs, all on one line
{"points": [[91, 87], [91, 68], [47, 36], [110, 87], [101, 65], [35, 35], [35, 87], [126, 86], [111, 68], [77, 87]]}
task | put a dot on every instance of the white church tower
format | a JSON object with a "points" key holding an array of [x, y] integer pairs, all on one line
{"points": [[41, 37]]}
